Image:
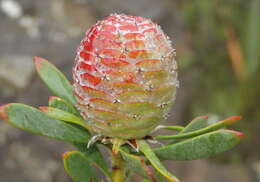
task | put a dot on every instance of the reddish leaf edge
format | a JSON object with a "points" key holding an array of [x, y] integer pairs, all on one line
{"points": [[66, 154], [52, 98], [202, 117], [3, 114], [232, 119], [43, 108], [38, 61], [237, 133]]}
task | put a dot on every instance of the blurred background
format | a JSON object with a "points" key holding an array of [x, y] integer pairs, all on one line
{"points": [[218, 53]]}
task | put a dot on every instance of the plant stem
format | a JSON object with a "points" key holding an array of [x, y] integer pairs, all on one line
{"points": [[118, 168], [175, 128]]}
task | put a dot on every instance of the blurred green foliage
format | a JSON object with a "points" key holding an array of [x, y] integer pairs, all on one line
{"points": [[223, 50]]}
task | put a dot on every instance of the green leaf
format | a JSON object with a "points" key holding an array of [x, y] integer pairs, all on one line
{"points": [[146, 180], [78, 167], [196, 124], [62, 104], [252, 38], [202, 146], [159, 177], [210, 128], [34, 121], [54, 79], [91, 153], [129, 176], [94, 156], [136, 164], [156, 163], [64, 116]]}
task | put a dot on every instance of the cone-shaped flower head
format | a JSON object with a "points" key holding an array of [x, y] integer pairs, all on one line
{"points": [[125, 76]]}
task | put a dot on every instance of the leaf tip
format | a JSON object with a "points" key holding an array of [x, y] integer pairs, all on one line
{"points": [[65, 155], [204, 117], [175, 179], [51, 98], [44, 108], [232, 119], [3, 114], [238, 133], [38, 61]]}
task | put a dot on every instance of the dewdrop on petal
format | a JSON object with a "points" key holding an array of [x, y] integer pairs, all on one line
{"points": [[125, 76]]}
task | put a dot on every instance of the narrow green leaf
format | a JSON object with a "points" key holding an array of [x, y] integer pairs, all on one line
{"points": [[210, 128], [156, 163], [78, 167], [54, 79], [146, 180], [202, 146], [136, 164], [252, 38], [64, 116], [34, 121], [196, 124], [62, 104], [93, 155], [159, 177], [129, 176]]}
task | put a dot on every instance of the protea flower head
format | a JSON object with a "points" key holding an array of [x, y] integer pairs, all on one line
{"points": [[125, 76]]}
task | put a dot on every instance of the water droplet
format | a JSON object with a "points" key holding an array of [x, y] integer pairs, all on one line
{"points": [[137, 117], [106, 78], [139, 70], [162, 105], [117, 101], [149, 87], [166, 115]]}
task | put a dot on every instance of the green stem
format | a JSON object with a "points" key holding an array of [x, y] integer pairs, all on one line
{"points": [[175, 128], [118, 168]]}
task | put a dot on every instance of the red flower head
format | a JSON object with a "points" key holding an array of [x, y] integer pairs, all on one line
{"points": [[125, 76]]}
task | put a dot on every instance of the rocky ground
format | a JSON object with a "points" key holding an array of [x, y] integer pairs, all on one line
{"points": [[52, 29]]}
